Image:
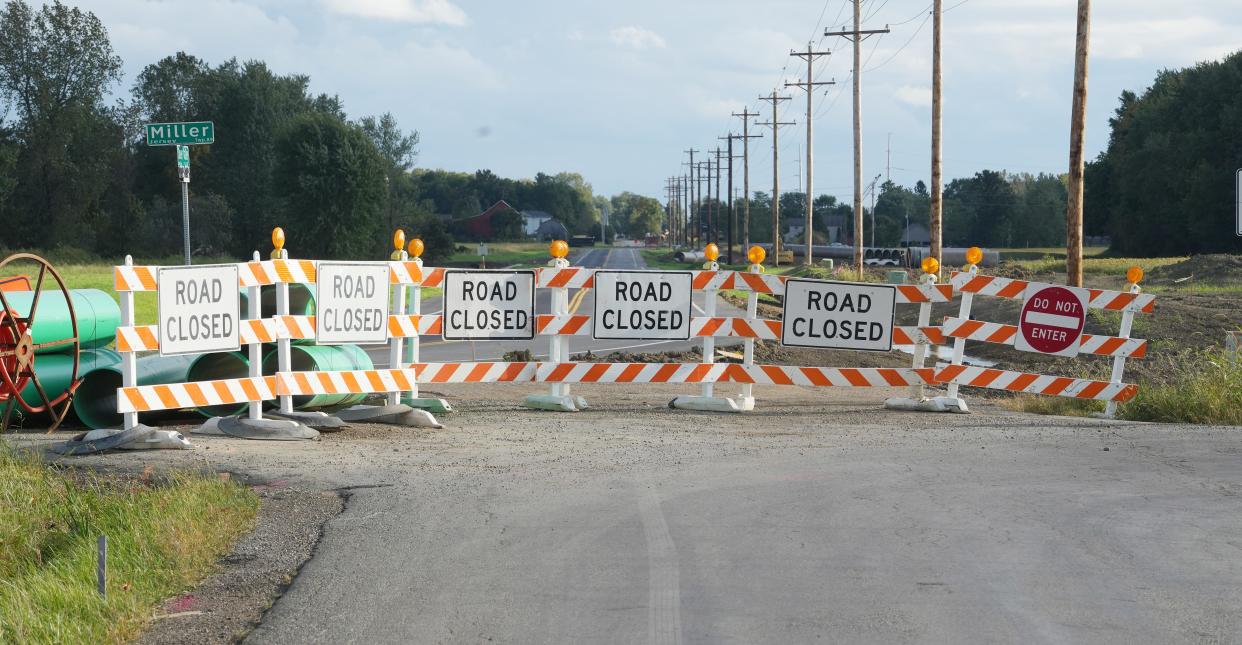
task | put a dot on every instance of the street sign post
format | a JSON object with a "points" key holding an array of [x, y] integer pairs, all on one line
{"points": [[489, 305], [838, 315], [352, 304], [198, 309], [189, 133], [182, 135], [1237, 208], [1052, 320], [642, 305]]}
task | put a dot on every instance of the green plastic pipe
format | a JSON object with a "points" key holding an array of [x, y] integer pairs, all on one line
{"points": [[95, 402], [97, 313], [55, 370], [301, 300], [323, 358], [220, 365]]}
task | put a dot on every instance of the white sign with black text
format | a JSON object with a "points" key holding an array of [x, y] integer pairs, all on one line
{"points": [[198, 309], [352, 303], [489, 305], [642, 305], [838, 315]]}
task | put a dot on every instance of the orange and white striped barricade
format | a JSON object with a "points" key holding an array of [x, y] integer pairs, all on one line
{"points": [[134, 398], [292, 271], [559, 279], [410, 272], [962, 328], [923, 338], [707, 400]]}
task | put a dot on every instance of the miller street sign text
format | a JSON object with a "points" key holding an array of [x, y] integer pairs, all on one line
{"points": [[171, 134]]}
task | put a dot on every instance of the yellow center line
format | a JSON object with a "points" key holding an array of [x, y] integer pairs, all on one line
{"points": [[577, 301]]}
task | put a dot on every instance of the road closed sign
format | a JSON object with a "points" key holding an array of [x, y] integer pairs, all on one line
{"points": [[838, 315], [489, 305], [1052, 319], [352, 303], [643, 305], [198, 309]]}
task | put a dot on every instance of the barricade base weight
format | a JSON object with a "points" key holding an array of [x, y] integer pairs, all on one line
{"points": [[112, 439], [431, 405], [712, 403], [933, 404], [401, 415], [555, 403], [318, 420], [263, 429]]}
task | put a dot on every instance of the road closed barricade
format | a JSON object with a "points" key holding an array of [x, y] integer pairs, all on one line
{"points": [[1051, 322]]}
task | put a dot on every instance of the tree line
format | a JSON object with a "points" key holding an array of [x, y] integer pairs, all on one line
{"points": [[75, 171]]}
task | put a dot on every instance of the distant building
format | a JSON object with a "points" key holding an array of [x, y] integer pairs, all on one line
{"points": [[532, 220], [551, 229], [479, 227]]}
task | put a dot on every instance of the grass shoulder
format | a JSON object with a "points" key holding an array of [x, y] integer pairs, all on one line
{"points": [[164, 536]]}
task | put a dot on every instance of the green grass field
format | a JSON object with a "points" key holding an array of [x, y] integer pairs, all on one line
{"points": [[502, 254], [163, 537], [1097, 266]]}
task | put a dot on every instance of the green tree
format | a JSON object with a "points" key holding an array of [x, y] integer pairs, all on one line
{"points": [[1164, 185], [332, 184], [56, 65]]}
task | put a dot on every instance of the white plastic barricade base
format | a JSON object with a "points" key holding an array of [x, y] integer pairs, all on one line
{"points": [[566, 403], [310, 418], [932, 404], [439, 406], [259, 429], [713, 403], [401, 415]]}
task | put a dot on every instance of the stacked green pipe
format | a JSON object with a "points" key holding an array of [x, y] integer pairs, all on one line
{"points": [[97, 313], [95, 402]]}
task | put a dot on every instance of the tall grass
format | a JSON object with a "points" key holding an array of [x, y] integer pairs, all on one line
{"points": [[162, 538], [1205, 388]]}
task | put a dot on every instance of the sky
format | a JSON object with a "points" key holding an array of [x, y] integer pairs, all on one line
{"points": [[618, 90]]}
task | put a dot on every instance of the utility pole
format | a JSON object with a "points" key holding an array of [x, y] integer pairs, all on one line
{"points": [[936, 205], [872, 189], [775, 100], [888, 159], [732, 220], [692, 203], [716, 219], [703, 203], [746, 137], [809, 56], [856, 36], [1073, 215]]}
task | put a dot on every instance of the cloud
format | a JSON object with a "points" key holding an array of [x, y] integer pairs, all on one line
{"points": [[919, 95], [636, 38], [418, 11]]}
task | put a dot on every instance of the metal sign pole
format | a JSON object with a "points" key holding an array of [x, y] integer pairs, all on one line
{"points": [[185, 214]]}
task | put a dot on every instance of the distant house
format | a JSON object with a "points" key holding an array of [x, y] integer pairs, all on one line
{"points": [[532, 220], [479, 227], [551, 229], [916, 234]]}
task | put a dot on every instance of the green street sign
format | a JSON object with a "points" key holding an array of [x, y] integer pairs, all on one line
{"points": [[183, 156], [171, 134]]}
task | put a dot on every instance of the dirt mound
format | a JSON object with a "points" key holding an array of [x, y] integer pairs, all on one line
{"points": [[1217, 267], [1009, 270]]}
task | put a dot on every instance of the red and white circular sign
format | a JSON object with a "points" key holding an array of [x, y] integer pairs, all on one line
{"points": [[1052, 320]]}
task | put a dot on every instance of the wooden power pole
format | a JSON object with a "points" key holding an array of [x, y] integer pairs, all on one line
{"points": [[746, 137], [775, 100], [936, 179], [1073, 215], [809, 85], [732, 220], [857, 35]]}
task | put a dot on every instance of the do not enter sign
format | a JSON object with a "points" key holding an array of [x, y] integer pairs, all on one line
{"points": [[1052, 320]]}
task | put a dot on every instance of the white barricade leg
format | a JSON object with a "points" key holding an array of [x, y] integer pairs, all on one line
{"points": [[747, 399], [129, 361], [559, 397], [284, 365], [707, 400], [1119, 361], [254, 311], [412, 351], [918, 400]]}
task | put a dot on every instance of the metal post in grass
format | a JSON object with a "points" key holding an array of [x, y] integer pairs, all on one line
{"points": [[101, 567]]}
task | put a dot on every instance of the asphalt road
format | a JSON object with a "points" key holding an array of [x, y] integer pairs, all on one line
{"points": [[438, 350], [820, 517]]}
